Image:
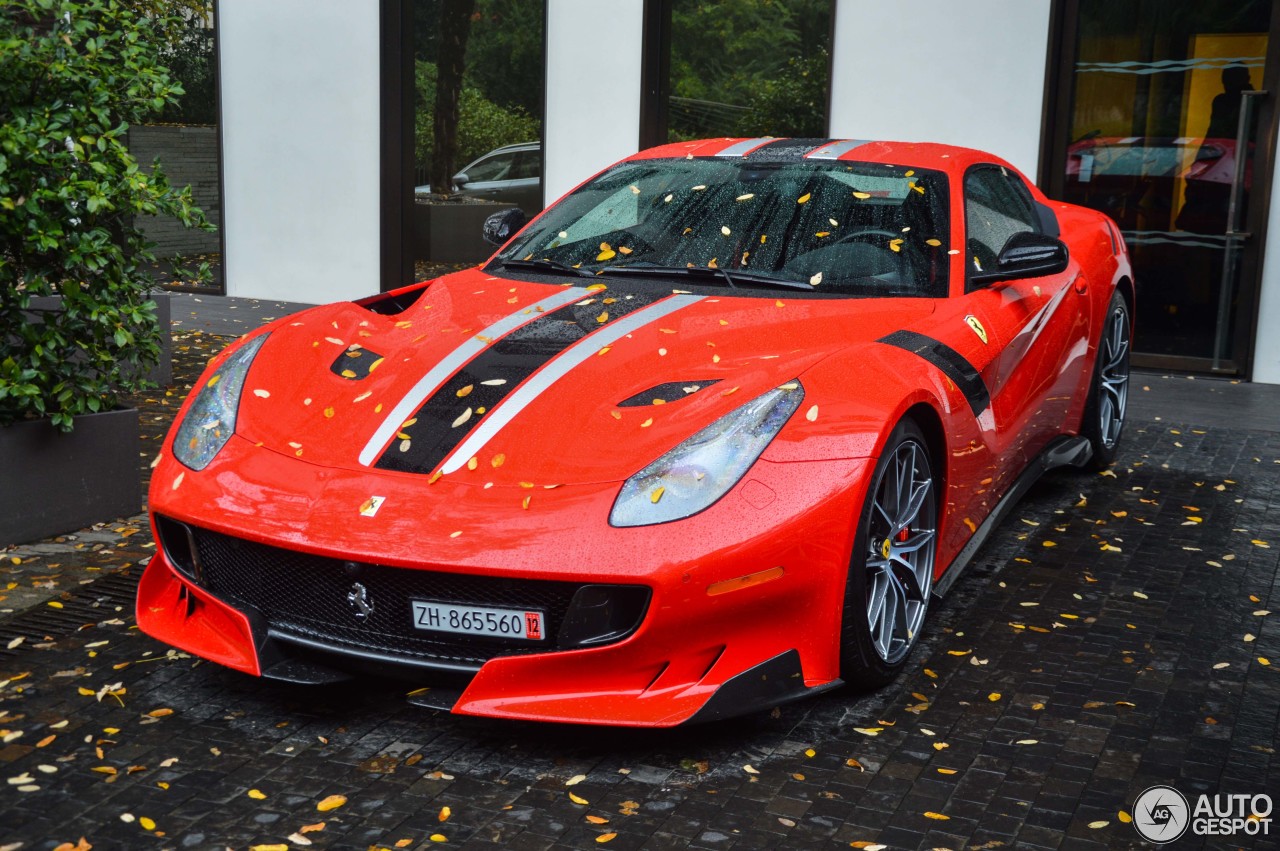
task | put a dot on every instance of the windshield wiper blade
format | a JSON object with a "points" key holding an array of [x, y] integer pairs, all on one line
{"points": [[739, 278], [544, 264]]}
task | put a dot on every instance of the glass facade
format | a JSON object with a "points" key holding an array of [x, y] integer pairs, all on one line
{"points": [[1161, 138]]}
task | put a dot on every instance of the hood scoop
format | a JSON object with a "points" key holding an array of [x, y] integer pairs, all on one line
{"points": [[355, 364], [672, 391]]}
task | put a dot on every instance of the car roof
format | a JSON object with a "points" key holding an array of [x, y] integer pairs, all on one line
{"points": [[949, 158], [518, 146]]}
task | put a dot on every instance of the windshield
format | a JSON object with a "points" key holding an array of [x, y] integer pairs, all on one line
{"points": [[844, 227]]}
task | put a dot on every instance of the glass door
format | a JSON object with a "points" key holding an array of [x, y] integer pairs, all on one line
{"points": [[1158, 127]]}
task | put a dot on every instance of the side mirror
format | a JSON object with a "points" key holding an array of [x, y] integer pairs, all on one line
{"points": [[1027, 255], [460, 180], [500, 227]]}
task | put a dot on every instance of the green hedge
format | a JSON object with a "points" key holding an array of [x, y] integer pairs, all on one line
{"points": [[74, 75]]}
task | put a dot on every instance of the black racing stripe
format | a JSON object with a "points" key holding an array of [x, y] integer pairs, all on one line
{"points": [[668, 392], [947, 359], [355, 364], [420, 447], [785, 150]]}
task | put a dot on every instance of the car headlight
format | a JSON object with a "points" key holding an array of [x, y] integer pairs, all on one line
{"points": [[703, 468], [211, 419]]}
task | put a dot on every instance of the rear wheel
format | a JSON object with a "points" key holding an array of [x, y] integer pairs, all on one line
{"points": [[891, 566], [1109, 394]]}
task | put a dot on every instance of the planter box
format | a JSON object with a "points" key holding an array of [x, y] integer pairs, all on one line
{"points": [[55, 483], [162, 372], [452, 232]]}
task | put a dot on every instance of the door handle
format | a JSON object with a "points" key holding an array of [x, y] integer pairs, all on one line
{"points": [[1243, 133]]}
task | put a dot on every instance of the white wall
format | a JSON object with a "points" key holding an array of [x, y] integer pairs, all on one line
{"points": [[965, 73], [593, 88], [300, 148], [1266, 353]]}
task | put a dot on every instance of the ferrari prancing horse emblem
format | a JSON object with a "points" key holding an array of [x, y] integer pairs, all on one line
{"points": [[359, 599], [973, 323]]}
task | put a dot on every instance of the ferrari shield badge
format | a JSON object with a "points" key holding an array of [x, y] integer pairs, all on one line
{"points": [[370, 506], [973, 323]]}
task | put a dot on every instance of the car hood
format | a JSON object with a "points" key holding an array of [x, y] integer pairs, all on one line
{"points": [[512, 383]]}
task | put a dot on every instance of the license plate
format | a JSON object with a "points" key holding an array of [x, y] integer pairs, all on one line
{"points": [[477, 620]]}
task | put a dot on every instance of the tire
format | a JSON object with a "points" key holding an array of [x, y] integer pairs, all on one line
{"points": [[1105, 411], [895, 586]]}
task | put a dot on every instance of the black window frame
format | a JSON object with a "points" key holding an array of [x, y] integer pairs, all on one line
{"points": [[1035, 216]]}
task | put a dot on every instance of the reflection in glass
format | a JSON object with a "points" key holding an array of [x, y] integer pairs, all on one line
{"points": [[1155, 134], [749, 68]]}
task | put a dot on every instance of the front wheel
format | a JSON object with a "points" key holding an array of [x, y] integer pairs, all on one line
{"points": [[891, 566], [1109, 393]]}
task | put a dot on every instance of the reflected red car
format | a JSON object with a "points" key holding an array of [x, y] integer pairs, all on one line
{"points": [[710, 434]]}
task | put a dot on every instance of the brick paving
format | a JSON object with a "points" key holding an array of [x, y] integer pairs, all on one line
{"points": [[1108, 638]]}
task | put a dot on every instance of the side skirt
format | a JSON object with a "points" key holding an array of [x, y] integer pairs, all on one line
{"points": [[1063, 452]]}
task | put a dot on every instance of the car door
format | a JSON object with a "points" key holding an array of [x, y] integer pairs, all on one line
{"points": [[1038, 323], [489, 175]]}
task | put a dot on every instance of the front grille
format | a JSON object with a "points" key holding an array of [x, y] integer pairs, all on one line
{"points": [[305, 596]]}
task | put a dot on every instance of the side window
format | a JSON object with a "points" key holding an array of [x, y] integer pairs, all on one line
{"points": [[996, 206], [526, 166], [494, 168]]}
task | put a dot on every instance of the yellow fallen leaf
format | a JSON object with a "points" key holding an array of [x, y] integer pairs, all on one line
{"points": [[578, 799], [147, 824], [937, 816], [597, 819], [1124, 817], [947, 771], [804, 198], [869, 731], [1263, 660], [853, 763], [311, 828], [331, 803], [438, 837], [278, 846], [810, 752], [606, 837], [257, 794], [940, 746], [1098, 825], [657, 494], [994, 696], [445, 812], [161, 712], [1027, 742]]}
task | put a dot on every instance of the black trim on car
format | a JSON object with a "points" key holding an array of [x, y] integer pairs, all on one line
{"points": [[771, 683], [947, 359]]}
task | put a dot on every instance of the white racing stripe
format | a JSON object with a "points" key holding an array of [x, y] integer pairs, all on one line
{"points": [[455, 360], [746, 146], [835, 150], [556, 369]]}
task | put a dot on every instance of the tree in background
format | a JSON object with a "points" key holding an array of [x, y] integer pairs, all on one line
{"points": [[733, 65], [74, 74], [482, 124], [500, 101], [455, 26]]}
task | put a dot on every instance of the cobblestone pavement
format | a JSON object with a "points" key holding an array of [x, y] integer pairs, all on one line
{"points": [[1114, 634]]}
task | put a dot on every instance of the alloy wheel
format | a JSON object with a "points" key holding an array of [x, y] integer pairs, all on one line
{"points": [[1113, 384], [901, 542]]}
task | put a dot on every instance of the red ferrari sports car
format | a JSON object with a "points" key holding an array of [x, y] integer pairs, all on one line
{"points": [[708, 435]]}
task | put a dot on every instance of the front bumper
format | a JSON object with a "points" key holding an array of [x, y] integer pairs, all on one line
{"points": [[689, 646]]}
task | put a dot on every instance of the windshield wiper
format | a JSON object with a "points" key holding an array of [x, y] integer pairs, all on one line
{"points": [[739, 278], [544, 264]]}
